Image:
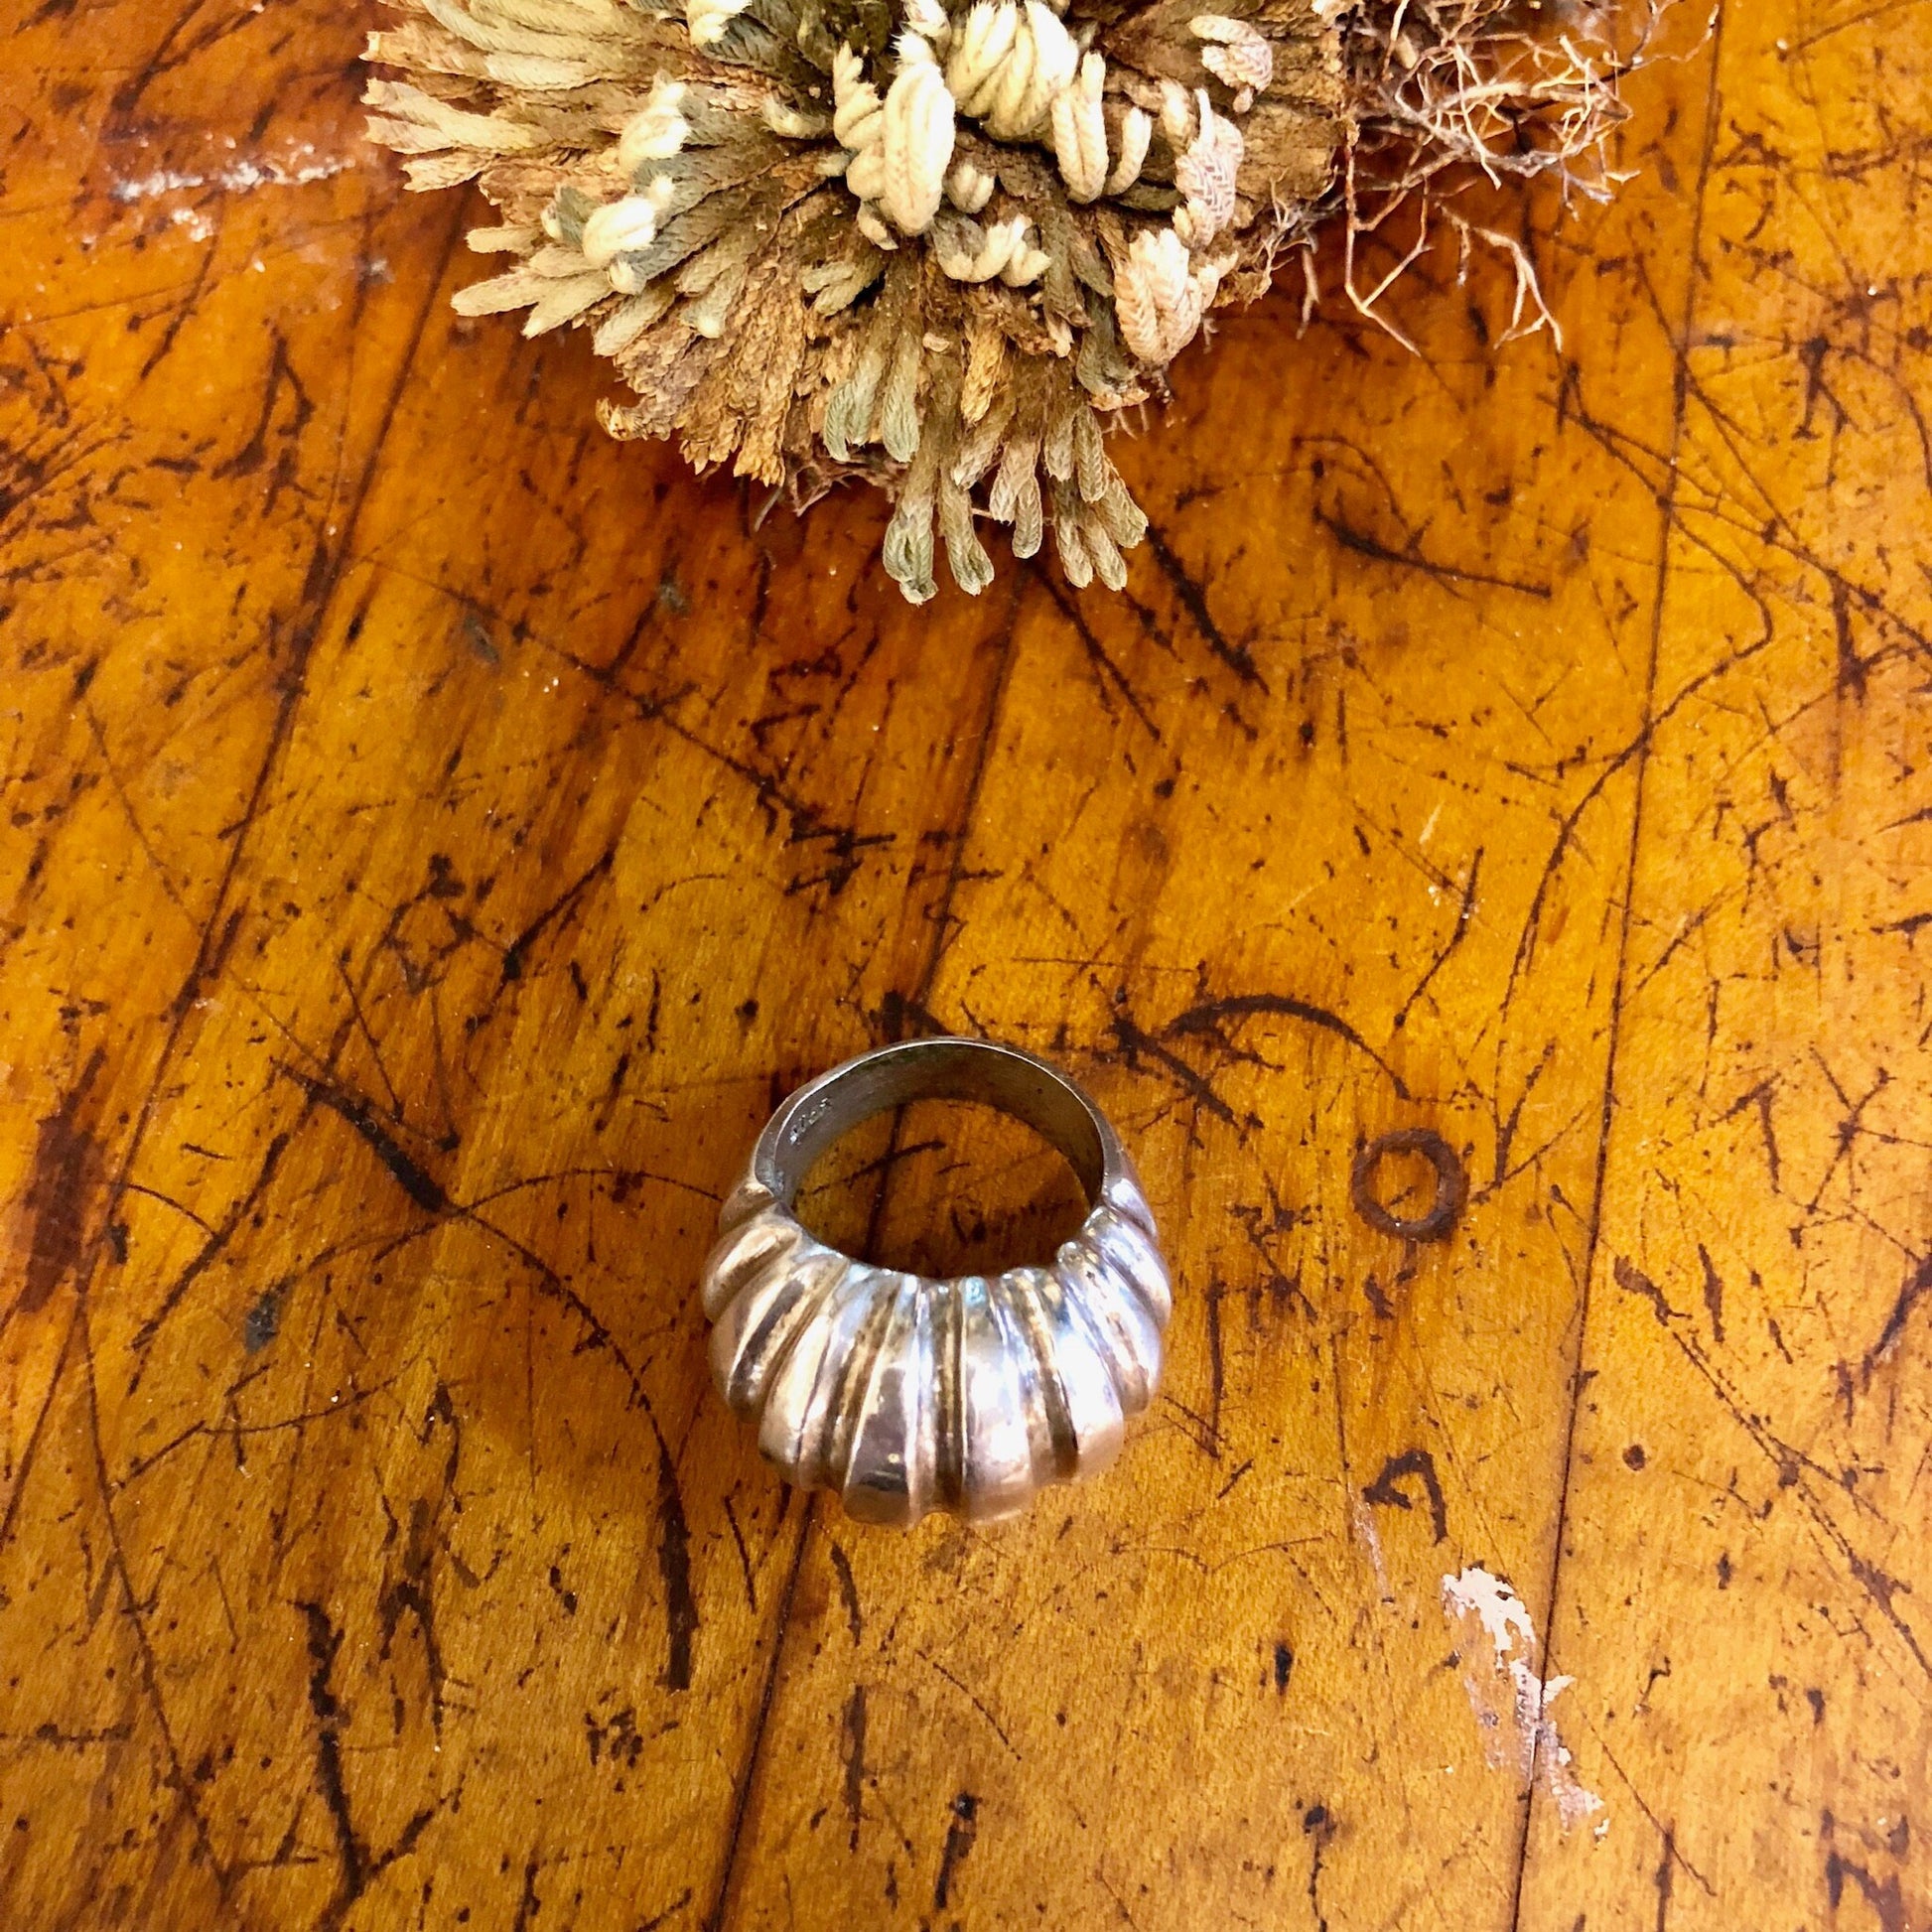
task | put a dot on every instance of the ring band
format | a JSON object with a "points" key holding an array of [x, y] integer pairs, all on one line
{"points": [[908, 1395]]}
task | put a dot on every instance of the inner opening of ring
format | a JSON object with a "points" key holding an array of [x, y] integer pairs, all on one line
{"points": [[943, 1189], [932, 1070]]}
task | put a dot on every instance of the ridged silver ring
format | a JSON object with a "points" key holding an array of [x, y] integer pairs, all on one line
{"points": [[906, 1395]]}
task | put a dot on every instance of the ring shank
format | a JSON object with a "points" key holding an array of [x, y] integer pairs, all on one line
{"points": [[945, 1068]]}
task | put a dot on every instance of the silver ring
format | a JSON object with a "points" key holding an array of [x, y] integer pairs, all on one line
{"points": [[908, 1395]]}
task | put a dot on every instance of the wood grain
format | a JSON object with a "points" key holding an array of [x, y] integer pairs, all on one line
{"points": [[439, 835]]}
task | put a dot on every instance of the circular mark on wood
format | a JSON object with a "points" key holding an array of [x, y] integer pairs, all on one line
{"points": [[1452, 1184]]}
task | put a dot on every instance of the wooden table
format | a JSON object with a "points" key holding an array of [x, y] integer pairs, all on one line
{"points": [[437, 836]]}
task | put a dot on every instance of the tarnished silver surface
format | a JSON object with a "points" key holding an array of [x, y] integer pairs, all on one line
{"points": [[908, 1395]]}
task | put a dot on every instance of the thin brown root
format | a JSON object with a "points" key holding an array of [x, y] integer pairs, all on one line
{"points": [[1529, 312], [1452, 95]]}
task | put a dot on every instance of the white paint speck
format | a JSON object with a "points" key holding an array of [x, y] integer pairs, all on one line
{"points": [[1495, 1606], [298, 169], [162, 182], [1510, 1700]]}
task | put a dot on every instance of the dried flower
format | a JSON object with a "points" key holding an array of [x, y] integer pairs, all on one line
{"points": [[934, 245]]}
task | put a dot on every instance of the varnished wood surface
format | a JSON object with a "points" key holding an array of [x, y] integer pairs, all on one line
{"points": [[436, 836]]}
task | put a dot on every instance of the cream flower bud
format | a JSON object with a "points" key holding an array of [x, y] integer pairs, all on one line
{"points": [[917, 147], [710, 20], [969, 187], [620, 229], [1136, 133], [1157, 296], [1081, 133], [658, 131]]}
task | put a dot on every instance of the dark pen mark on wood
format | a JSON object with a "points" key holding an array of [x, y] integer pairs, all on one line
{"points": [[960, 1834], [529, 1905], [899, 1018], [325, 1640], [421, 1186], [852, 1748], [848, 1588], [359, 1864], [1714, 1295], [1886, 1897], [1319, 1828], [669, 1913], [674, 1566], [1465, 914], [1759, 1097], [618, 1739], [1387, 1487], [1211, 1015], [67, 1170], [1911, 925], [978, 1702], [1634, 1280], [744, 1556], [1918, 1287], [1237, 657], [412, 1592], [1134, 1044], [1106, 671], [518, 952], [1364, 545], [1216, 1367], [411, 1589]]}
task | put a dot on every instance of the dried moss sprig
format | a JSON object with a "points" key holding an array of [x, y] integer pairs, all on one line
{"points": [[937, 246]]}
